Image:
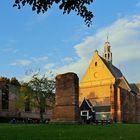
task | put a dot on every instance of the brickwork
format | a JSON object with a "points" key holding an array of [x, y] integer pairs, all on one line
{"points": [[112, 103], [67, 98], [138, 109], [128, 103]]}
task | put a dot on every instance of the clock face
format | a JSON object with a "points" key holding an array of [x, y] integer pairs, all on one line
{"points": [[96, 74]]}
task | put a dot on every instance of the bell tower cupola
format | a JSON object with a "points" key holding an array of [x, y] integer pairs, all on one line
{"points": [[107, 52]]}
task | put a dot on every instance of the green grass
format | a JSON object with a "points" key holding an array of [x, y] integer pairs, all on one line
{"points": [[69, 132]]}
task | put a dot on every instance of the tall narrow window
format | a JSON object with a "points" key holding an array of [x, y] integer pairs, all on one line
{"points": [[108, 56], [95, 63], [5, 100]]}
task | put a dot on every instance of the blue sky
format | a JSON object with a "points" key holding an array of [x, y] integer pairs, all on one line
{"points": [[62, 43]]}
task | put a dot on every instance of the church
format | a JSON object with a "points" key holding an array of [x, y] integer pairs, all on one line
{"points": [[107, 90], [103, 94]]}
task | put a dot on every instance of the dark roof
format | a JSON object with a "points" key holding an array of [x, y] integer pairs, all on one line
{"points": [[102, 108], [86, 104], [89, 103], [114, 70], [135, 87]]}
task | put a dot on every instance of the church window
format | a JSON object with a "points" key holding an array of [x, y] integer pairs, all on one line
{"points": [[108, 56], [95, 63], [5, 101]]}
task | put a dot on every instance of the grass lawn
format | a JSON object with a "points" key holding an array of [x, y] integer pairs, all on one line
{"points": [[69, 132]]}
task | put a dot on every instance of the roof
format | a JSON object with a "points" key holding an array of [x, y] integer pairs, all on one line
{"points": [[122, 82], [114, 70], [135, 87], [102, 108], [87, 103]]}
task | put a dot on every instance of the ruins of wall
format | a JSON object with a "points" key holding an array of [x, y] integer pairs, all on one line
{"points": [[67, 98]]}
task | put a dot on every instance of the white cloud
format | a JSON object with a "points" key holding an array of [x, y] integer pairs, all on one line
{"points": [[9, 49], [49, 66], [25, 62], [67, 60], [124, 36], [38, 59], [21, 62]]}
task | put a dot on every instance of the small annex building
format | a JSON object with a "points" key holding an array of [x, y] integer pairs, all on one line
{"points": [[87, 111], [107, 89]]}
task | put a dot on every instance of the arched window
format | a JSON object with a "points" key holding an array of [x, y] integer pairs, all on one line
{"points": [[108, 56], [5, 101], [95, 63], [5, 98]]}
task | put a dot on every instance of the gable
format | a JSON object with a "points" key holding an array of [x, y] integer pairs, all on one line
{"points": [[97, 72], [86, 105]]}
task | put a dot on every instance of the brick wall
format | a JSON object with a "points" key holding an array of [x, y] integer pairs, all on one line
{"points": [[67, 98]]}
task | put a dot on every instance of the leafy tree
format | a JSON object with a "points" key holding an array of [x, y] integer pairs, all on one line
{"points": [[79, 6], [4, 80], [23, 94], [42, 91], [38, 92], [14, 81]]}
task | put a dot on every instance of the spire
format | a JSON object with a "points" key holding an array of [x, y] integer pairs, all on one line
{"points": [[107, 37], [107, 52]]}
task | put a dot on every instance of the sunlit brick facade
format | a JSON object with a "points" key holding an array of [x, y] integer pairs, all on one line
{"points": [[109, 92]]}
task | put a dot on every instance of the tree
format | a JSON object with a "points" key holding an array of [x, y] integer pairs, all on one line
{"points": [[79, 6], [42, 90], [38, 92], [4, 80], [14, 81], [23, 94]]}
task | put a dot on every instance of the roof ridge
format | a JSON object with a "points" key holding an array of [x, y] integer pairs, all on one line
{"points": [[113, 69]]}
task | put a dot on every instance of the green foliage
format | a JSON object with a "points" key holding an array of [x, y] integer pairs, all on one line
{"points": [[14, 81], [38, 92], [22, 94], [70, 132], [79, 6], [42, 91], [5, 80]]}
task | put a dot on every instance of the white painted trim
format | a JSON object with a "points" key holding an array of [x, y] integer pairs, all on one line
{"points": [[87, 113]]}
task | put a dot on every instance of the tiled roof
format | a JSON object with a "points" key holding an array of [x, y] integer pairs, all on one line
{"points": [[102, 108], [114, 70], [117, 74], [135, 87]]}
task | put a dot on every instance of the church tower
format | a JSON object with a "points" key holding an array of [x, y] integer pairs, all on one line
{"points": [[107, 52]]}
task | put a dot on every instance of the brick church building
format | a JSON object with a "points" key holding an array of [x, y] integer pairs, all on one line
{"points": [[106, 88]]}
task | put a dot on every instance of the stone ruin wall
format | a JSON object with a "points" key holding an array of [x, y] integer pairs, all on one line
{"points": [[67, 99]]}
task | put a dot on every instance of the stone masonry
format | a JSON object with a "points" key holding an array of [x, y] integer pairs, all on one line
{"points": [[66, 108]]}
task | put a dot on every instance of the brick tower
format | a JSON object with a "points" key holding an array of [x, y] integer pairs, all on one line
{"points": [[67, 98]]}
